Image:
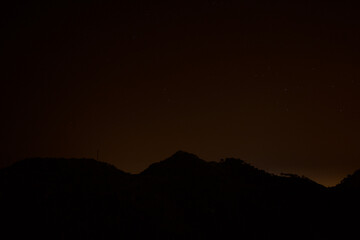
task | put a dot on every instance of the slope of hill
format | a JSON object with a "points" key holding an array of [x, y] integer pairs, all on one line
{"points": [[182, 197], [351, 182]]}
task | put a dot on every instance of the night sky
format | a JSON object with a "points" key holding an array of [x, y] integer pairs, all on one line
{"points": [[275, 83]]}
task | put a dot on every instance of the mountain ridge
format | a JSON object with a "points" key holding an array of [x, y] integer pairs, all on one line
{"points": [[180, 160], [181, 197]]}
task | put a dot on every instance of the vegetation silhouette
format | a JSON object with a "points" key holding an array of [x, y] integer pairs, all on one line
{"points": [[182, 197]]}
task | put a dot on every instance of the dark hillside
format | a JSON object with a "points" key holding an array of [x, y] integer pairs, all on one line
{"points": [[182, 197]]}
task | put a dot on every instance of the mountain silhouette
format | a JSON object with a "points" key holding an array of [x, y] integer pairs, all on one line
{"points": [[181, 197], [179, 164], [351, 182]]}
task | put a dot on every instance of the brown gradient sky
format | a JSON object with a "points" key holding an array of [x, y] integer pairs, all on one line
{"points": [[275, 83]]}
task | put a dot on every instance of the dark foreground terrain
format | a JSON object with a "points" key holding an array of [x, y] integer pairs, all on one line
{"points": [[182, 197]]}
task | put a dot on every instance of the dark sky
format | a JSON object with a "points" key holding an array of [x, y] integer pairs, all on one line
{"points": [[275, 83]]}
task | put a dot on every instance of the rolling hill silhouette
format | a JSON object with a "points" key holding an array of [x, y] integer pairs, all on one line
{"points": [[351, 182], [182, 197]]}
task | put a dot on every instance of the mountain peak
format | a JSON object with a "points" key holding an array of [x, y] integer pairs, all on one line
{"points": [[183, 156], [179, 163]]}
